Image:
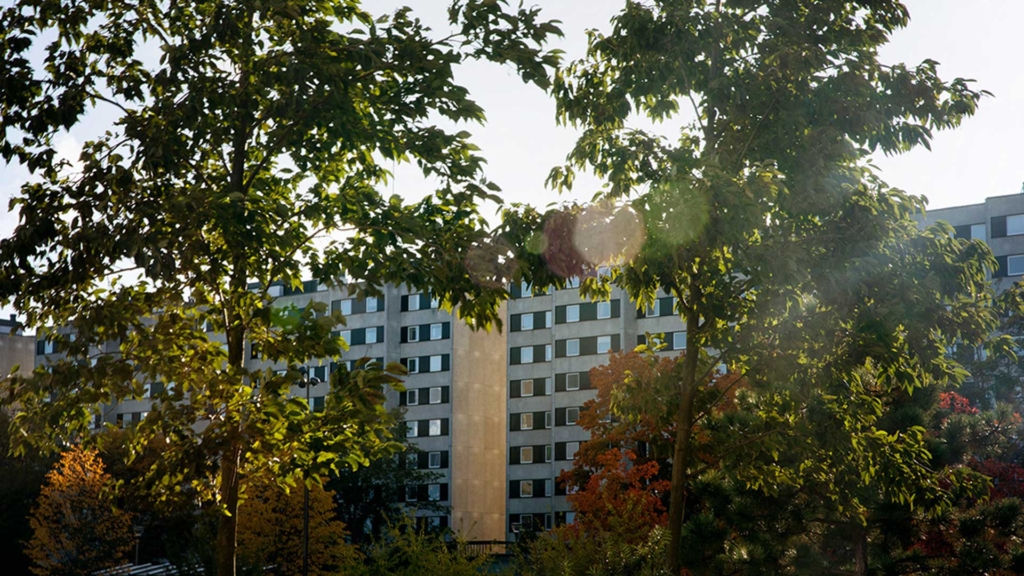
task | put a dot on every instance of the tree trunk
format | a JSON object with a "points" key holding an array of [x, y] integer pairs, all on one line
{"points": [[861, 551], [681, 453], [227, 528]]}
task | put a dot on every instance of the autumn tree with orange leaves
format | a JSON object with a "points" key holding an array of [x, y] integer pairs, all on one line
{"points": [[77, 529], [270, 531], [620, 480]]}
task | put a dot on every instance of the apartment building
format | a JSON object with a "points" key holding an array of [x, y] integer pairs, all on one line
{"points": [[999, 221], [454, 398], [554, 339]]}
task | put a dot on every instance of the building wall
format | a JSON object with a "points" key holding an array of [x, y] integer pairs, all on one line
{"points": [[478, 432], [553, 508]]}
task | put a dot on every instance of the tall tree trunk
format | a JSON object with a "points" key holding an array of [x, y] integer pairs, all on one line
{"points": [[861, 550], [227, 528], [681, 453]]}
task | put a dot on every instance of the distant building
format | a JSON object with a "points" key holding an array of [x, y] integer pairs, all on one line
{"points": [[16, 349], [454, 398], [554, 339], [998, 221]]}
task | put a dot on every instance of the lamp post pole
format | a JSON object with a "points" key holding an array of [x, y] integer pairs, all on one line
{"points": [[138, 536], [307, 383]]}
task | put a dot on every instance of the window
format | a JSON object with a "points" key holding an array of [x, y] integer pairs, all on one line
{"points": [[526, 388], [434, 460], [413, 334], [412, 397], [570, 517], [571, 415], [435, 363], [526, 290], [435, 332], [413, 365], [373, 335], [548, 524], [526, 455], [548, 487], [435, 303], [410, 493], [412, 460], [526, 421], [412, 429], [414, 302], [526, 322], [1015, 265], [679, 341], [526, 488], [571, 448], [275, 291], [1015, 225], [372, 304], [433, 492], [345, 307], [547, 386], [572, 313], [526, 355], [547, 352], [572, 347], [655, 309], [604, 310], [604, 344], [572, 381], [547, 319], [548, 452], [977, 232], [435, 395], [573, 282], [547, 419], [346, 335]]}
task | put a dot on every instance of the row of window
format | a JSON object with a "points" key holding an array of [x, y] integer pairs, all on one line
{"points": [[426, 428], [350, 306], [564, 349], [421, 396], [536, 488], [425, 364], [544, 419], [425, 332], [672, 340], [422, 301], [427, 460], [566, 314], [543, 453], [539, 521], [564, 382], [426, 493]]}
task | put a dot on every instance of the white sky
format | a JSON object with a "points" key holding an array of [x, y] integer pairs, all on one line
{"points": [[521, 141]]}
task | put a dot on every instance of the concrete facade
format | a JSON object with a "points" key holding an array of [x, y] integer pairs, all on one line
{"points": [[455, 397], [16, 350], [545, 393]]}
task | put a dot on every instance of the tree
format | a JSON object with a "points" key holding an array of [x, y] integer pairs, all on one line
{"points": [[250, 147], [270, 531], [76, 527], [761, 213], [367, 498], [21, 478], [406, 549]]}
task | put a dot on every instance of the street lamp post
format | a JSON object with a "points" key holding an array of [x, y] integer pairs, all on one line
{"points": [[307, 383], [138, 536]]}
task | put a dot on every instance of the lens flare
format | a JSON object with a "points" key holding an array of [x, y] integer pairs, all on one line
{"points": [[608, 233]]}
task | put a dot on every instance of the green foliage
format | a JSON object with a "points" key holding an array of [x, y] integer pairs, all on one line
{"points": [[21, 478], [789, 258], [250, 149], [567, 552], [407, 550], [369, 495]]}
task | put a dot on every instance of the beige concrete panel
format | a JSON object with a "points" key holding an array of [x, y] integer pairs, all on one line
{"points": [[478, 396]]}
